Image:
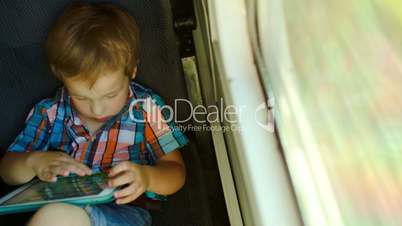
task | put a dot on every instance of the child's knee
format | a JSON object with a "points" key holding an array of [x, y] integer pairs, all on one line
{"points": [[60, 214]]}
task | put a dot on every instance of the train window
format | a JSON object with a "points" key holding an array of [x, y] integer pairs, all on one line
{"points": [[334, 69]]}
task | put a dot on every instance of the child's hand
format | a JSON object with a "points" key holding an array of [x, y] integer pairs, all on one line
{"points": [[133, 176], [48, 165]]}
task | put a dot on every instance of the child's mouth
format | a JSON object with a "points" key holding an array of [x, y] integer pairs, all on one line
{"points": [[103, 119]]}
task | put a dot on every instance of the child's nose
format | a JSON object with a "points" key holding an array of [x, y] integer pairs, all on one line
{"points": [[97, 109]]}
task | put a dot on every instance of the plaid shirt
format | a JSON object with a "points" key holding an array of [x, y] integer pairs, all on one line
{"points": [[138, 133]]}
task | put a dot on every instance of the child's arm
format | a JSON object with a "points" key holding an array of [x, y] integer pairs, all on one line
{"points": [[165, 178], [24, 160], [14, 169], [168, 175], [162, 141], [19, 168]]}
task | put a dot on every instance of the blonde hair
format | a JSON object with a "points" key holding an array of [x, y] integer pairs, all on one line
{"points": [[90, 38]]}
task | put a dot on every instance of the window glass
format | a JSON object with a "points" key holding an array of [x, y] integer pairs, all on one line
{"points": [[335, 70]]}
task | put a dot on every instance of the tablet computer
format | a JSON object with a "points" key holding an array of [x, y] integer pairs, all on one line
{"points": [[78, 190]]}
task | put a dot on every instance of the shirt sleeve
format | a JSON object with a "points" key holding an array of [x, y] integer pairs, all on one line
{"points": [[35, 134], [161, 133]]}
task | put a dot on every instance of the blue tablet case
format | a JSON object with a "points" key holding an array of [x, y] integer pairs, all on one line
{"points": [[74, 189]]}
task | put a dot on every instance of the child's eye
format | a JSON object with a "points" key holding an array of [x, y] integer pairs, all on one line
{"points": [[111, 96], [80, 98]]}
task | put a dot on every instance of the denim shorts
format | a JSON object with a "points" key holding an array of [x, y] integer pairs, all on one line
{"points": [[111, 214]]}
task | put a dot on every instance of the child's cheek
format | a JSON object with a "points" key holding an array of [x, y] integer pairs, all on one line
{"points": [[118, 103]]}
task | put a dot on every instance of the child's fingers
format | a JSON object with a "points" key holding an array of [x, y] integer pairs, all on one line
{"points": [[59, 170], [123, 166], [75, 169], [47, 176], [130, 197], [131, 189], [79, 168], [66, 167], [121, 179], [84, 168]]}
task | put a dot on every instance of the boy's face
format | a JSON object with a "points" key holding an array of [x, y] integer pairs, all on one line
{"points": [[99, 102]]}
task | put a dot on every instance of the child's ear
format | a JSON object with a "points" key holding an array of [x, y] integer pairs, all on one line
{"points": [[134, 73]]}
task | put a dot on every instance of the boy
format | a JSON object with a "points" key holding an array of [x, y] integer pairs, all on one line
{"points": [[98, 120]]}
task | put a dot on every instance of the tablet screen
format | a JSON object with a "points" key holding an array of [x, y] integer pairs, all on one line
{"points": [[65, 187]]}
